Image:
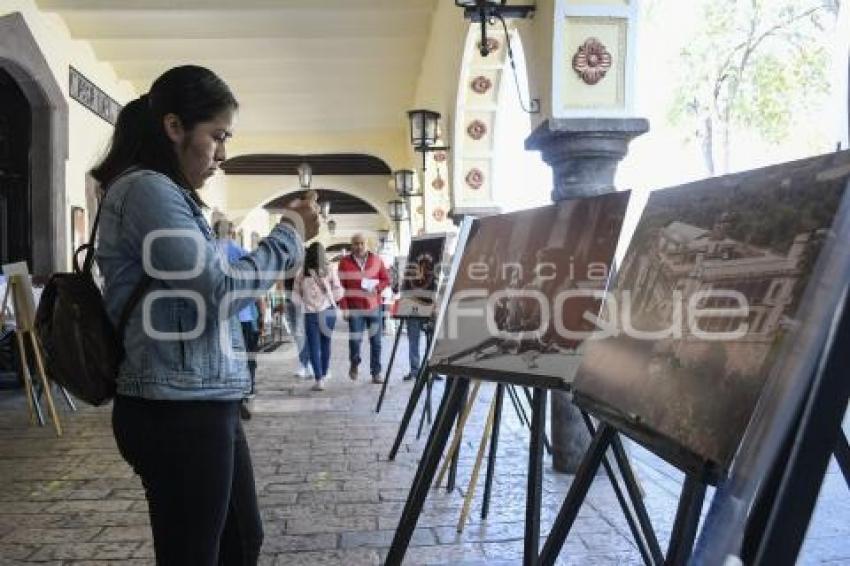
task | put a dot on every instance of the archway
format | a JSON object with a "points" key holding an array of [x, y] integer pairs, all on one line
{"points": [[492, 170], [23, 63], [15, 198]]}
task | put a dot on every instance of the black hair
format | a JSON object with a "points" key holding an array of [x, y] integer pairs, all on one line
{"points": [[222, 228], [194, 94], [315, 259]]}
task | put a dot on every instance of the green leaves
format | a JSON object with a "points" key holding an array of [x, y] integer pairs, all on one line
{"points": [[751, 65]]}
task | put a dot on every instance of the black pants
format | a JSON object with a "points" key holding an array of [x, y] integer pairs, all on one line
{"points": [[252, 339], [196, 470]]}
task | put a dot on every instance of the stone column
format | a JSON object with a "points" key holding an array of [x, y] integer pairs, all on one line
{"points": [[583, 154]]}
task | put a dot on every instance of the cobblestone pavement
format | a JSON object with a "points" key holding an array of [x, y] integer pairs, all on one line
{"points": [[327, 492]]}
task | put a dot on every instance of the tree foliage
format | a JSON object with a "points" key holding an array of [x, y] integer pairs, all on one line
{"points": [[751, 65]]}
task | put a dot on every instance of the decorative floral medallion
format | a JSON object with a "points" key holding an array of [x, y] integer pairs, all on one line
{"points": [[438, 183], [420, 210], [481, 84], [476, 129], [475, 178], [492, 44], [592, 61], [440, 156], [439, 214]]}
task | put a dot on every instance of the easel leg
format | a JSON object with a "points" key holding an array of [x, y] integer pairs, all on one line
{"points": [[450, 483], [636, 496], [424, 410], [415, 393], [425, 473], [520, 411], [429, 386], [494, 443], [68, 399], [687, 521], [453, 447], [575, 496], [842, 455], [441, 410], [534, 493], [641, 532], [43, 374], [545, 437], [473, 480], [390, 366], [32, 402], [426, 406]]}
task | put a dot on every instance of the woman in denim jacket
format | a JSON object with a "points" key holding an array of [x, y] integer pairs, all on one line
{"points": [[176, 413]]}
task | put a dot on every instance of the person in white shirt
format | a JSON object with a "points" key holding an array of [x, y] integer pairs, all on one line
{"points": [[317, 289]]}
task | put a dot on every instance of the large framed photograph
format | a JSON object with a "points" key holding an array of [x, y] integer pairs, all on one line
{"points": [[420, 274], [709, 295], [515, 309]]}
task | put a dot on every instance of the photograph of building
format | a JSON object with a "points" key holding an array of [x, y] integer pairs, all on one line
{"points": [[708, 290]]}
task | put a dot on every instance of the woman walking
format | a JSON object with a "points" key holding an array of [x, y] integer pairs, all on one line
{"points": [[318, 289], [176, 412]]}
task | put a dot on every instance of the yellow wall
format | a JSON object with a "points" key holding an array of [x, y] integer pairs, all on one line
{"points": [[88, 133], [244, 193], [388, 145]]}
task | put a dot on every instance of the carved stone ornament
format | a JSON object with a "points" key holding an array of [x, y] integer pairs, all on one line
{"points": [[481, 84], [492, 44], [420, 210], [475, 178], [438, 183], [440, 156], [439, 214], [592, 61], [476, 129]]}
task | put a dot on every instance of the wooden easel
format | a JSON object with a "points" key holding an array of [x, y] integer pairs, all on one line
{"points": [[21, 293]]}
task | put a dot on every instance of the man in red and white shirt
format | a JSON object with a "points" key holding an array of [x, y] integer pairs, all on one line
{"points": [[363, 276]]}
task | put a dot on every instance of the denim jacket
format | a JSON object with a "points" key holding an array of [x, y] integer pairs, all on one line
{"points": [[183, 340]]}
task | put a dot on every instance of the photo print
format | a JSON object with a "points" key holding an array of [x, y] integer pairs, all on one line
{"points": [[525, 281], [708, 292], [420, 276]]}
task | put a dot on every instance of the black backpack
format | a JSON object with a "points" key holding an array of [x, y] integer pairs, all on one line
{"points": [[82, 350]]}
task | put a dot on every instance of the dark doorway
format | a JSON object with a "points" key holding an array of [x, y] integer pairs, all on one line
{"points": [[15, 195]]}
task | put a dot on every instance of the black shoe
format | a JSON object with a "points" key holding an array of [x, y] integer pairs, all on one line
{"points": [[408, 377], [244, 411], [438, 377]]}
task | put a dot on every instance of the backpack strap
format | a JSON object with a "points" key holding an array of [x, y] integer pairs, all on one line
{"points": [[138, 291], [88, 247], [131, 303]]}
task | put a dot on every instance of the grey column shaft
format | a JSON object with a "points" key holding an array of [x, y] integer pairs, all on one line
{"points": [[584, 154]]}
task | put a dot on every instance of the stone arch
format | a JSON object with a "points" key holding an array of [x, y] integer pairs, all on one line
{"points": [[372, 200], [21, 57], [483, 87]]}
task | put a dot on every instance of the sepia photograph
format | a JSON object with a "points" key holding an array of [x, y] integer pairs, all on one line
{"points": [[524, 284], [709, 290], [420, 276]]}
